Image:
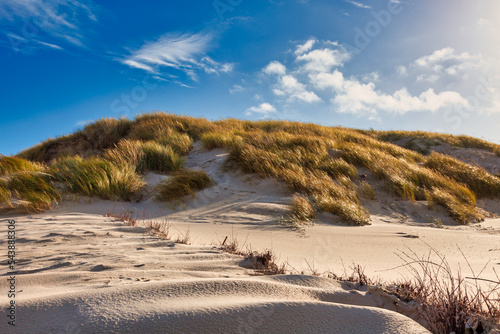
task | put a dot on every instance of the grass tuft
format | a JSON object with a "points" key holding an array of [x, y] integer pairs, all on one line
{"points": [[145, 156], [181, 184], [97, 177]]}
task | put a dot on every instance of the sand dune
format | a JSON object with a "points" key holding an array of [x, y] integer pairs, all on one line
{"points": [[82, 273]]}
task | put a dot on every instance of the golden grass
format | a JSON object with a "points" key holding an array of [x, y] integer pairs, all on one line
{"points": [[212, 140], [95, 176], [318, 162], [104, 133], [14, 164], [477, 179], [145, 156], [456, 141], [181, 184], [151, 130]]}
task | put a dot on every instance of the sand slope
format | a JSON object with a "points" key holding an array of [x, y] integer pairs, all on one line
{"points": [[84, 273]]}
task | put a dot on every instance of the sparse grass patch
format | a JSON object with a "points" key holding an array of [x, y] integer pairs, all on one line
{"points": [[97, 177], [181, 184], [264, 262], [449, 302]]}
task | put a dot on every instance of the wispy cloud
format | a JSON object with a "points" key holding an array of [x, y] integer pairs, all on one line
{"points": [[59, 19], [184, 52], [359, 4], [264, 109]]}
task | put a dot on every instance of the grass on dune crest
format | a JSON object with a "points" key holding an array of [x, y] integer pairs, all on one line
{"points": [[91, 140], [456, 141], [145, 156], [98, 177], [318, 162], [181, 184]]}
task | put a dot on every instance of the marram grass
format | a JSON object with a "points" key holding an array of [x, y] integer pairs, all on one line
{"points": [[181, 184], [320, 163], [144, 156], [97, 177]]}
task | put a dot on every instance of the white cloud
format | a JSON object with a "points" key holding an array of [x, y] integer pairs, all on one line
{"points": [[264, 109], [359, 4], [352, 96], [305, 47], [185, 52], [58, 18], [236, 89], [53, 46], [323, 60], [275, 67], [446, 62], [316, 75]]}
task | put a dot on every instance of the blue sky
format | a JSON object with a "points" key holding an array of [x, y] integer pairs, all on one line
{"points": [[382, 64]]}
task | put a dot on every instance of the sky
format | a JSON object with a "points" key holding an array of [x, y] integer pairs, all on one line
{"points": [[426, 65]]}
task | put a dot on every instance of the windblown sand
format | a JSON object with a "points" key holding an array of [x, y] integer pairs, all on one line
{"points": [[81, 272]]}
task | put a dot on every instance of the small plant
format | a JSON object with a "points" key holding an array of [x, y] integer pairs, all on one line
{"points": [[125, 216], [184, 238], [181, 184]]}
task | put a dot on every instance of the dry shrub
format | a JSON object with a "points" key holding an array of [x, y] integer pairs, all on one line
{"points": [[448, 302], [264, 262]]}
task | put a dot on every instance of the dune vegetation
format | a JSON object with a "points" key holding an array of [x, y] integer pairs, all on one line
{"points": [[321, 164]]}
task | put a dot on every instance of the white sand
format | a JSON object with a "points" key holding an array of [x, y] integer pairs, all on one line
{"points": [[83, 273]]}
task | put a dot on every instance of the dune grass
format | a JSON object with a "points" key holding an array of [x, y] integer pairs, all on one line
{"points": [[27, 183], [318, 162], [181, 184], [91, 140], [144, 156], [482, 183], [14, 164], [437, 138], [98, 177]]}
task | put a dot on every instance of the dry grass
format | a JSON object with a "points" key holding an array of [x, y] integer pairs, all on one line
{"points": [[181, 184], [449, 302], [456, 141], [264, 262], [318, 162], [477, 179], [97, 177], [26, 184], [144, 156]]}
